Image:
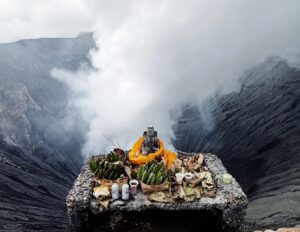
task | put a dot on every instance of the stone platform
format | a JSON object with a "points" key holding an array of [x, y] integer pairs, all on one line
{"points": [[225, 212]]}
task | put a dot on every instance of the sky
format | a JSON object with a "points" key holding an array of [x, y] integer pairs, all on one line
{"points": [[155, 55], [28, 19]]}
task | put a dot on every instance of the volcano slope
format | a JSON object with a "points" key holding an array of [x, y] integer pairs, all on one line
{"points": [[40, 133], [256, 132]]}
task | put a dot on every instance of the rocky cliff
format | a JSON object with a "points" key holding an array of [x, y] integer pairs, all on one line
{"points": [[40, 132], [255, 131]]}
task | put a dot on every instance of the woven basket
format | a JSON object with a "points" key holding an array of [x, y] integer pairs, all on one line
{"points": [[109, 183], [154, 188]]}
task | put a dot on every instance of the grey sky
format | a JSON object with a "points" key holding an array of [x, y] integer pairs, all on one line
{"points": [[22, 19]]}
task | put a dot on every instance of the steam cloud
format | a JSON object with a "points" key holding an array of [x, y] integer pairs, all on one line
{"points": [[155, 56]]}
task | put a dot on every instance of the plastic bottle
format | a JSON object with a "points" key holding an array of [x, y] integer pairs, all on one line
{"points": [[125, 192], [115, 191]]}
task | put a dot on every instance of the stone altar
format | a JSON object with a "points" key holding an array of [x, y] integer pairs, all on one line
{"points": [[225, 212]]}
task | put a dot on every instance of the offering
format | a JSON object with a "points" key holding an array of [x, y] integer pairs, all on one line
{"points": [[133, 186], [188, 177], [227, 178], [153, 173], [125, 192], [104, 169], [162, 175], [115, 191], [179, 178]]}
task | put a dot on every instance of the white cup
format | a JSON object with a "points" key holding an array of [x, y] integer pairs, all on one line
{"points": [[133, 186], [179, 177], [188, 177]]}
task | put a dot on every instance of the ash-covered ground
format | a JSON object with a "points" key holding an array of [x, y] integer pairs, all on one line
{"points": [[256, 133], [40, 132]]}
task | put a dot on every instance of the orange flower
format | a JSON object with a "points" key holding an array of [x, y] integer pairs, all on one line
{"points": [[136, 157]]}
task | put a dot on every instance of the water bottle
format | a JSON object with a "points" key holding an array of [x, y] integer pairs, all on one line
{"points": [[115, 191], [125, 192]]}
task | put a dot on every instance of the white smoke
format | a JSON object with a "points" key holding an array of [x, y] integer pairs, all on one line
{"points": [[154, 56]]}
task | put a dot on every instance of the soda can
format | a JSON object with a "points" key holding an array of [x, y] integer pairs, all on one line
{"points": [[125, 192], [115, 191]]}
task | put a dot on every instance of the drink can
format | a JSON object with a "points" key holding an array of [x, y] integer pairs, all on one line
{"points": [[125, 192], [115, 191]]}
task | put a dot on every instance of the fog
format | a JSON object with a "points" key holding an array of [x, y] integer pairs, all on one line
{"points": [[155, 56]]}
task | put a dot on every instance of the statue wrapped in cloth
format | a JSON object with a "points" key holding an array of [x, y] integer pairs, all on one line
{"points": [[150, 147]]}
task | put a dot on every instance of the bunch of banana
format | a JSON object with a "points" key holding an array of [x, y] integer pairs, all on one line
{"points": [[109, 171], [153, 173], [94, 164], [113, 157]]}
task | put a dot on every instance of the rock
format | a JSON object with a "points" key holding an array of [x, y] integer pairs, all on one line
{"points": [[40, 154], [255, 132], [281, 230], [288, 230], [85, 213]]}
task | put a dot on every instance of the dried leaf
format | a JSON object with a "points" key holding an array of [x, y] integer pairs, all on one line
{"points": [[101, 191], [191, 193], [181, 192], [104, 202], [160, 197], [128, 172], [198, 192], [200, 159], [189, 198], [188, 191], [195, 163], [208, 181], [198, 177], [177, 163]]}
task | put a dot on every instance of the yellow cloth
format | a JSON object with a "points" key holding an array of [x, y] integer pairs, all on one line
{"points": [[136, 157]]}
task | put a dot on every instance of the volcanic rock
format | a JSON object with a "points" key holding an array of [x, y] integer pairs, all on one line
{"points": [[40, 133], [255, 132]]}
